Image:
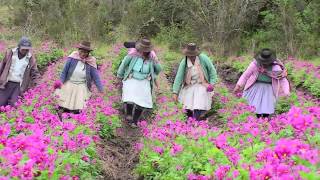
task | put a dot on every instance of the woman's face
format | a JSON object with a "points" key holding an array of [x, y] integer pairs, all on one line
{"points": [[266, 65], [192, 58], [23, 52], [83, 53], [146, 54]]}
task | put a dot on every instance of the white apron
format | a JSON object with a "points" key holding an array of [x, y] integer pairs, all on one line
{"points": [[138, 92], [74, 93], [195, 96]]}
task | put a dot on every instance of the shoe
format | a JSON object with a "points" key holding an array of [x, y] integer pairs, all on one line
{"points": [[128, 118], [133, 125]]}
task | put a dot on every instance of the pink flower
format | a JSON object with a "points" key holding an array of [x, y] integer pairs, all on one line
{"points": [[235, 174], [221, 172], [176, 148], [210, 88], [179, 168], [57, 84], [298, 120], [138, 146], [158, 150], [85, 158], [221, 141], [75, 178]]}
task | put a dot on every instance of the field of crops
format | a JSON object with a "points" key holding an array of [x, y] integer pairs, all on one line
{"points": [[97, 144]]}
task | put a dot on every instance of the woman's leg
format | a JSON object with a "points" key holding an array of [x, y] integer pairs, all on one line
{"points": [[128, 108], [197, 113], [75, 111], [62, 110], [136, 114], [189, 113]]}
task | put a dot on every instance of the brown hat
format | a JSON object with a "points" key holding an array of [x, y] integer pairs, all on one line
{"points": [[191, 50], [266, 56], [144, 45], [86, 45]]}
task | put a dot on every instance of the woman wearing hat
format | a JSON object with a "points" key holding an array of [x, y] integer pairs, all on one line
{"points": [[263, 82], [138, 71], [77, 75], [194, 82]]}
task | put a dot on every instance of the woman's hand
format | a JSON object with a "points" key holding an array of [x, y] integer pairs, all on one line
{"points": [[118, 81], [175, 97], [100, 93], [57, 84], [236, 89], [209, 87]]}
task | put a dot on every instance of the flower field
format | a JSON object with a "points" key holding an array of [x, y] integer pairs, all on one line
{"points": [[35, 143]]}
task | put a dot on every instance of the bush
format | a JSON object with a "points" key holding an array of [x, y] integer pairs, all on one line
{"points": [[117, 61], [44, 58]]}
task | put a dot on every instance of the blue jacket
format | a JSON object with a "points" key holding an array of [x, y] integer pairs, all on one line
{"points": [[91, 74]]}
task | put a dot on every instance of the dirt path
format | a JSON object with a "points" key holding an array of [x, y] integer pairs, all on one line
{"points": [[118, 153]]}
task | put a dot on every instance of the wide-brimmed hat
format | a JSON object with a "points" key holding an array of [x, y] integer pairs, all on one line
{"points": [[191, 49], [25, 43], [85, 45], [266, 56], [144, 45]]}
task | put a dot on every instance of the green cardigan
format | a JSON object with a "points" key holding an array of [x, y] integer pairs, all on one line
{"points": [[208, 68], [127, 64]]}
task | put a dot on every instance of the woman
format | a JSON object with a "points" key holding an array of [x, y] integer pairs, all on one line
{"points": [[194, 82], [138, 71], [263, 82], [77, 75]]}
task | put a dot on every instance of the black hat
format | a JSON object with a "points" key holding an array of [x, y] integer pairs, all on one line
{"points": [[266, 56]]}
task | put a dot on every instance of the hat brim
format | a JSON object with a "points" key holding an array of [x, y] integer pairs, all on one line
{"points": [[25, 47], [142, 48], [265, 61], [191, 53], [83, 47]]}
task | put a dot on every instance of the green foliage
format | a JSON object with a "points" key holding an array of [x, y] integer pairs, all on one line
{"points": [[109, 124], [303, 78], [117, 61], [67, 20], [43, 59], [195, 157], [287, 26], [284, 103], [175, 36], [170, 61], [230, 27]]}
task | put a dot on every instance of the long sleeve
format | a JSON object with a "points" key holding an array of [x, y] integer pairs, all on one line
{"points": [[35, 74], [179, 77], [125, 62], [65, 70], [246, 75], [212, 72], [96, 78], [3, 62]]}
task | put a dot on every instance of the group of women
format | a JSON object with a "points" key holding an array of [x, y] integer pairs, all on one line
{"points": [[263, 81]]}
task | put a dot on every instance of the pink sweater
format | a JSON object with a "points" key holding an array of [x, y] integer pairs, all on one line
{"points": [[134, 52], [249, 77]]}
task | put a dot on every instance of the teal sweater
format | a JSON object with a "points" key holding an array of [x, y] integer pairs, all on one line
{"points": [[127, 64], [208, 68]]}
